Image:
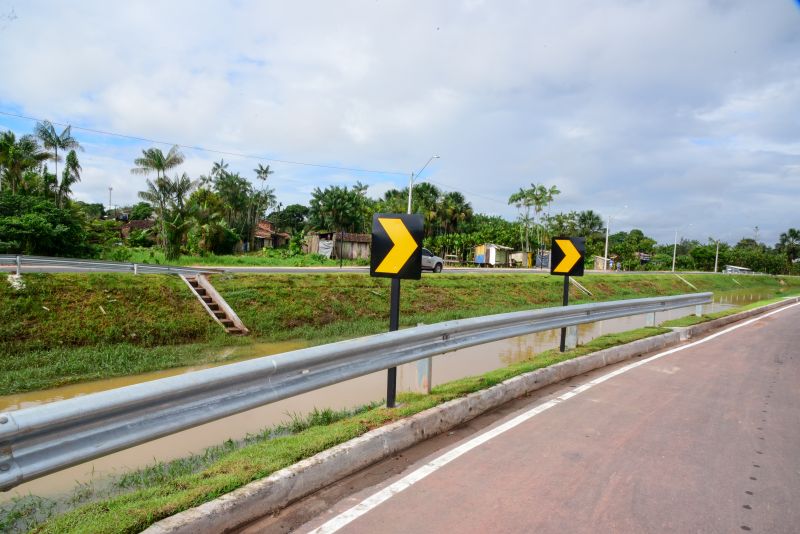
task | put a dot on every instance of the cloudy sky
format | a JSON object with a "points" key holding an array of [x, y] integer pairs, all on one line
{"points": [[685, 111]]}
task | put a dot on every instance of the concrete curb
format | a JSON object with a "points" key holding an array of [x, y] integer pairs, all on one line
{"points": [[268, 495]]}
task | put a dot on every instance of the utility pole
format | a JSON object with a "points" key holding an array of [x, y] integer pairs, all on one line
{"points": [[716, 257], [109, 199], [674, 250]]}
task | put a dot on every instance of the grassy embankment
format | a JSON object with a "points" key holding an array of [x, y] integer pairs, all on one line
{"points": [[67, 328]]}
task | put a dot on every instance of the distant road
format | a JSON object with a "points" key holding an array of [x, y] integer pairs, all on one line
{"points": [[701, 438], [317, 270]]}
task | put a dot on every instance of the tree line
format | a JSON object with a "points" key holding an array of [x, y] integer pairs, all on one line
{"points": [[219, 212]]}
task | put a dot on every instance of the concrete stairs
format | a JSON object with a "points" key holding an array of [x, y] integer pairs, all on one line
{"points": [[215, 305]]}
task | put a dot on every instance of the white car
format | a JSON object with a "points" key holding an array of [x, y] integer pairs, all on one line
{"points": [[431, 262]]}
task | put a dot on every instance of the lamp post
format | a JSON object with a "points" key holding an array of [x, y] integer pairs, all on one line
{"points": [[605, 254], [411, 181], [675, 248]]}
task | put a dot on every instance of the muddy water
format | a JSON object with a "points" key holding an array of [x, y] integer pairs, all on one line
{"points": [[226, 355], [349, 394]]}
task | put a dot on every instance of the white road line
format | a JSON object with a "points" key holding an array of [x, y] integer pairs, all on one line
{"points": [[409, 480]]}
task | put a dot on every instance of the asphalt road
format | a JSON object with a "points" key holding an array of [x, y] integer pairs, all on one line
{"points": [[313, 270], [705, 439]]}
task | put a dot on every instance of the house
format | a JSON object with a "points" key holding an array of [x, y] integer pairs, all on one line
{"points": [[335, 244], [126, 229], [266, 236], [492, 255], [612, 262]]}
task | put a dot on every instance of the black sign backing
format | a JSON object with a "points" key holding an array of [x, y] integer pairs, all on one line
{"points": [[396, 246]]}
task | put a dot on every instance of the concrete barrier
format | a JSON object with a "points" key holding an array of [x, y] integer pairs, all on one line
{"points": [[268, 495]]}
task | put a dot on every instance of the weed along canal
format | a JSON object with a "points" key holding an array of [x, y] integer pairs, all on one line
{"points": [[367, 389]]}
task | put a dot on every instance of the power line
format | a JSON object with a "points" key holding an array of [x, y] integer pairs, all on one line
{"points": [[451, 188], [209, 150]]}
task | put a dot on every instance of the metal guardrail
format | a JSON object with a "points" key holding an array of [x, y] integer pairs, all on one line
{"points": [[99, 266], [43, 439]]}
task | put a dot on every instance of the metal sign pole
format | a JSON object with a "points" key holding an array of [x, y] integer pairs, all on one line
{"points": [[394, 320], [562, 345]]}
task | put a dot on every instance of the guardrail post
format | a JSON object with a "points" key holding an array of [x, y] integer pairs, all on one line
{"points": [[571, 340], [650, 319], [698, 310], [19, 264], [135, 269]]}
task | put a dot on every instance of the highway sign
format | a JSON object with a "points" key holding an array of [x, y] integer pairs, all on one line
{"points": [[396, 246], [567, 256]]}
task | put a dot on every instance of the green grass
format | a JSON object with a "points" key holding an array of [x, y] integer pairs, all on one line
{"points": [[690, 320], [330, 307], [166, 489], [72, 310], [263, 258], [68, 328]]}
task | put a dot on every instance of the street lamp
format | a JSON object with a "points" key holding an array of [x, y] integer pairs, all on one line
{"points": [[411, 181], [605, 254], [675, 248]]}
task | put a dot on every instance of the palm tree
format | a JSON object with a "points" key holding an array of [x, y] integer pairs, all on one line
{"points": [[589, 223], [51, 140], [454, 211], [262, 172], [157, 195], [153, 159], [17, 157], [169, 198], [71, 175], [789, 243], [219, 168]]}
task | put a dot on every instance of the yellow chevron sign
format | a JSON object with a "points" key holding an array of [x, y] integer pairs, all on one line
{"points": [[396, 246], [567, 255], [404, 246]]}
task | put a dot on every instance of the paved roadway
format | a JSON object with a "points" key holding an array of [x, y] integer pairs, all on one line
{"points": [[704, 439]]}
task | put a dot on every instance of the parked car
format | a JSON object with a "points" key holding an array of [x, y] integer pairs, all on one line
{"points": [[431, 262]]}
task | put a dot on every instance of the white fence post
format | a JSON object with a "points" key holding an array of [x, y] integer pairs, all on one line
{"points": [[571, 340]]}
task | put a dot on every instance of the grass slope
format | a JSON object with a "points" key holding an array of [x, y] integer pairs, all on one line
{"points": [[67, 328], [321, 308]]}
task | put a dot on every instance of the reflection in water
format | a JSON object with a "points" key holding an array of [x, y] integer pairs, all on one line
{"points": [[447, 367]]}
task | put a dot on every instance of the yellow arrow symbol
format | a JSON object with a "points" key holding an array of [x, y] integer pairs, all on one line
{"points": [[571, 256], [404, 246]]}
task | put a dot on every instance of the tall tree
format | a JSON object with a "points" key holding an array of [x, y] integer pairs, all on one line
{"points": [[154, 160], [789, 244], [589, 223], [219, 168], [70, 176], [169, 197], [51, 140], [17, 157], [262, 172]]}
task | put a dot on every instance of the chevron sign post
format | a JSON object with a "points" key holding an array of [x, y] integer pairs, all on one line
{"points": [[566, 258], [396, 253]]}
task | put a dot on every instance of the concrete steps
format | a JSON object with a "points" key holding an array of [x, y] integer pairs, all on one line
{"points": [[215, 305]]}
